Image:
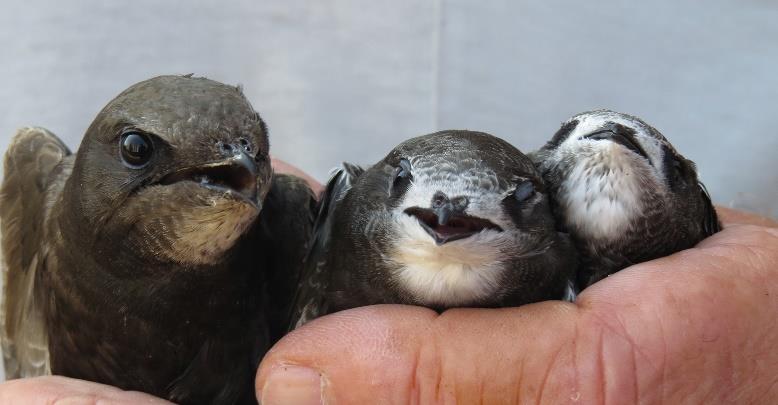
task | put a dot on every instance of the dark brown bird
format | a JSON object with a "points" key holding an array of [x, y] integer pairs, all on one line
{"points": [[157, 257], [623, 192]]}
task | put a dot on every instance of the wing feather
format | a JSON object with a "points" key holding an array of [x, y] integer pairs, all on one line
{"points": [[287, 216], [310, 302], [29, 168]]}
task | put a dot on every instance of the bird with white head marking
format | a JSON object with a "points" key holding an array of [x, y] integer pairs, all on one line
{"points": [[623, 192], [450, 219]]}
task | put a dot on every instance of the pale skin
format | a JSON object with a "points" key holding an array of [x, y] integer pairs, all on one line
{"points": [[694, 327]]}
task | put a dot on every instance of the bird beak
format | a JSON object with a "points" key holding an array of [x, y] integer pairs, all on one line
{"points": [[444, 213], [453, 227], [236, 174], [623, 138], [247, 183]]}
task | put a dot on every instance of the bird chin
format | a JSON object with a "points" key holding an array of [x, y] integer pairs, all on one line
{"points": [[187, 223], [452, 274], [605, 189], [205, 233]]}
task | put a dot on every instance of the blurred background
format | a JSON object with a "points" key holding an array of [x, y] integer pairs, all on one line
{"points": [[347, 80]]}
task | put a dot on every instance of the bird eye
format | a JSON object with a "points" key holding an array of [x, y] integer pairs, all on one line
{"points": [[136, 149], [524, 191], [403, 172], [402, 177]]}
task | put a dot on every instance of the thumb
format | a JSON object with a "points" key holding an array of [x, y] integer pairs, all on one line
{"points": [[401, 354], [698, 326]]}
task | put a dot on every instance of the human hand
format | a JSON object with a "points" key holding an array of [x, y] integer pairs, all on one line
{"points": [[697, 326], [63, 390], [279, 166]]}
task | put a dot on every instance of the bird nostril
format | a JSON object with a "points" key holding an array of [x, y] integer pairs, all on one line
{"points": [[225, 148], [245, 144], [439, 199]]}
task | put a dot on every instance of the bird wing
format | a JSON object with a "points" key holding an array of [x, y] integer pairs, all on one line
{"points": [[309, 302], [710, 222], [31, 163], [571, 291], [287, 219], [276, 245]]}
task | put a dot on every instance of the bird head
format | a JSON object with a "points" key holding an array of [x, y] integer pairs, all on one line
{"points": [[611, 171], [175, 168], [453, 218]]}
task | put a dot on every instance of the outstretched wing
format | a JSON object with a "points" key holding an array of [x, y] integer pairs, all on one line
{"points": [[32, 163], [310, 301]]}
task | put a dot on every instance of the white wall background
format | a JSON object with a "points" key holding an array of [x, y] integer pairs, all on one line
{"points": [[347, 80]]}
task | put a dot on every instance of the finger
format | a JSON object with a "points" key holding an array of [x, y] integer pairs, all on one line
{"points": [[402, 354], [279, 166], [56, 389], [732, 216], [694, 327]]}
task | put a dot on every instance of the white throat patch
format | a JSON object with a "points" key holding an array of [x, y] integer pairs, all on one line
{"points": [[601, 194], [454, 273], [601, 205], [462, 271]]}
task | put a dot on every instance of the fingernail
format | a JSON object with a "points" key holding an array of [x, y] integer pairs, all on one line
{"points": [[292, 385]]}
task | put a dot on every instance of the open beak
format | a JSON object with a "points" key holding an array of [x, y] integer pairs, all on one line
{"points": [[237, 174], [449, 226]]}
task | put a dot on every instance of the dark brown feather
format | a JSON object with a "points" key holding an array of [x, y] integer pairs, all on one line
{"points": [[33, 178]]}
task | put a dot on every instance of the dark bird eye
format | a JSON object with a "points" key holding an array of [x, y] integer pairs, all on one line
{"points": [[403, 171], [524, 191], [402, 177], [136, 149]]}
